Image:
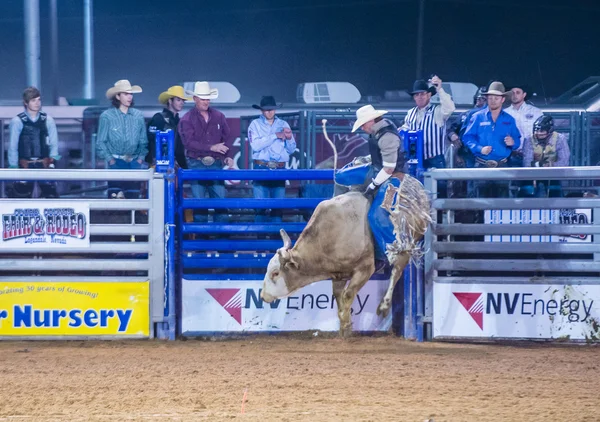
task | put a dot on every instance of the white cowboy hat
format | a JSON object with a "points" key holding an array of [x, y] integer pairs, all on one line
{"points": [[497, 88], [123, 86], [202, 90], [366, 114]]}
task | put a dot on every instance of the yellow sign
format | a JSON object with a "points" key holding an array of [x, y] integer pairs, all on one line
{"points": [[74, 309]]}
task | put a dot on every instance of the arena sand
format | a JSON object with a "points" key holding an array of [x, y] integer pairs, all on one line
{"points": [[297, 379]]}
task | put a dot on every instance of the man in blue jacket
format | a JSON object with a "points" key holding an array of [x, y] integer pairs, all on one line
{"points": [[492, 135]]}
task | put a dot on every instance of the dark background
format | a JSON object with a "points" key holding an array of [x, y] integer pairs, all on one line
{"points": [[266, 47]]}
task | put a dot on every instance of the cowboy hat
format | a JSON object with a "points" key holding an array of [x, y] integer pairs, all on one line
{"points": [[173, 91], [123, 86], [202, 90], [366, 114], [497, 88], [422, 86], [267, 102]]}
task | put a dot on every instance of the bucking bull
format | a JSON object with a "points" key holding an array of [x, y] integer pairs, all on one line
{"points": [[337, 244]]}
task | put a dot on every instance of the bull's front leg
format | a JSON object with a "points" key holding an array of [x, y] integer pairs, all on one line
{"points": [[386, 303], [338, 292], [358, 280]]}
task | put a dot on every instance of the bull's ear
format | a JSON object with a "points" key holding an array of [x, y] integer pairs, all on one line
{"points": [[287, 242], [291, 264], [284, 256]]}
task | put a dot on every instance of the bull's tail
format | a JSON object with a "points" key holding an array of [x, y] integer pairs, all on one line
{"points": [[335, 153]]}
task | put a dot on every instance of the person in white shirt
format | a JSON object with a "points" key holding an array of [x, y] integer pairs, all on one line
{"points": [[525, 115]]}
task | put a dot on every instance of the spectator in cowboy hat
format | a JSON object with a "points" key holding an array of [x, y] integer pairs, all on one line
{"points": [[492, 135], [207, 141], [121, 138], [173, 98], [272, 143]]}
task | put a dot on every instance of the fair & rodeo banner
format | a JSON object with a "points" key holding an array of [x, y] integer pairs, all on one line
{"points": [[46, 225]]}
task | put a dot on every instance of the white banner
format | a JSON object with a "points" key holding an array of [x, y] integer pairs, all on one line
{"points": [[564, 216], [531, 311], [222, 306], [45, 225]]}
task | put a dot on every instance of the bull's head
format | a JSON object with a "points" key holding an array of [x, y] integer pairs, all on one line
{"points": [[281, 272]]}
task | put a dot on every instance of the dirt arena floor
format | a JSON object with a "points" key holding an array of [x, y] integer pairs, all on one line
{"points": [[291, 379]]}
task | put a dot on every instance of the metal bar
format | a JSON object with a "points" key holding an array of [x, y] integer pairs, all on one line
{"points": [[119, 229], [508, 229], [191, 263], [532, 173], [54, 50], [241, 228], [95, 248], [193, 203], [430, 255], [77, 174], [515, 247], [32, 43], [80, 279], [88, 49], [515, 203], [519, 280], [232, 245], [559, 265], [280, 174], [75, 264]]}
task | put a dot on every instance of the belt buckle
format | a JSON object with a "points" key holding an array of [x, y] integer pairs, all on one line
{"points": [[491, 163], [272, 165], [208, 161]]}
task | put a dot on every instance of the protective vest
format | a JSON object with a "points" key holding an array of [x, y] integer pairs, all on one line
{"points": [[33, 140], [544, 152], [376, 157]]}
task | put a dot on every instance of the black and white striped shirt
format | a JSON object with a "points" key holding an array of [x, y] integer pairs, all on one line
{"points": [[433, 133]]}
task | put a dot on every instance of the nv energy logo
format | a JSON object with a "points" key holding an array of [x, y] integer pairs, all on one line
{"points": [[230, 300], [473, 303], [521, 304], [233, 300]]}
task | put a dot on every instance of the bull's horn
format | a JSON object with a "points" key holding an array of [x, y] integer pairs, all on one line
{"points": [[287, 242]]}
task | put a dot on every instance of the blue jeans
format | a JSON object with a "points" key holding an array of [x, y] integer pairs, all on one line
{"points": [[268, 189], [215, 189], [438, 162], [380, 222], [131, 190], [379, 219]]}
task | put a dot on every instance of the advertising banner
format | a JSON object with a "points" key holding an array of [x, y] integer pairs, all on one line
{"points": [[224, 306], [564, 216], [74, 309], [46, 225], [527, 311]]}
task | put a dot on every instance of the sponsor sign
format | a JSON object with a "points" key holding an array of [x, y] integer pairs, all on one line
{"points": [[564, 216], [537, 311], [45, 225], [74, 309], [222, 306]]}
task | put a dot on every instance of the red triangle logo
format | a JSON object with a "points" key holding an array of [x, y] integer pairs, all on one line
{"points": [[473, 304], [230, 300]]}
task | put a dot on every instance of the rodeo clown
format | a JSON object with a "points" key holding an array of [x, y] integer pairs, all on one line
{"points": [[405, 209], [546, 148]]}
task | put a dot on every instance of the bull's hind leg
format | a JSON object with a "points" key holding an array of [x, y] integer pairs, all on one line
{"points": [[386, 303]]}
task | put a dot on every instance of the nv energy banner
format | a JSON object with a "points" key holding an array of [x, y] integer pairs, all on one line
{"points": [[221, 306], [534, 311], [74, 309], [46, 225]]}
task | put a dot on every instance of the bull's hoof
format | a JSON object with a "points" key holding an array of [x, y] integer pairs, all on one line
{"points": [[346, 331], [384, 308]]}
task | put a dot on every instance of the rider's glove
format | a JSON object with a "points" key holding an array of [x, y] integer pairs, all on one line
{"points": [[370, 192]]}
